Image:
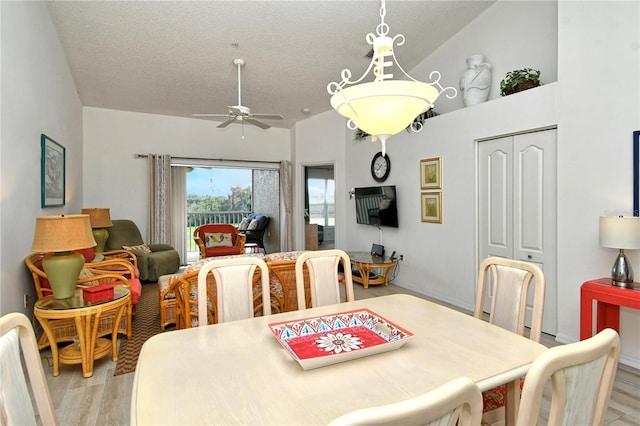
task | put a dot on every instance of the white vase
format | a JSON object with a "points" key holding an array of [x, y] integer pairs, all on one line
{"points": [[475, 81]]}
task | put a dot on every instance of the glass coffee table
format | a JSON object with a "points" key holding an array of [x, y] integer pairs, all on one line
{"points": [[85, 315], [372, 270]]}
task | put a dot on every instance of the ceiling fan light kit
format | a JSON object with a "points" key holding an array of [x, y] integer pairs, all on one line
{"points": [[240, 112], [384, 107]]}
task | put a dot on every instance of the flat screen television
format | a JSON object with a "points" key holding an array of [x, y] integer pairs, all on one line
{"points": [[377, 206]]}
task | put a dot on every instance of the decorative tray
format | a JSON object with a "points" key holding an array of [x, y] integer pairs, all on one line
{"points": [[330, 339]]}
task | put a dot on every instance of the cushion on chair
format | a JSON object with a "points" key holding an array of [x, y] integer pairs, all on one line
{"points": [[494, 398], [136, 290], [253, 225], [88, 253], [222, 251], [244, 223], [140, 247], [218, 239]]}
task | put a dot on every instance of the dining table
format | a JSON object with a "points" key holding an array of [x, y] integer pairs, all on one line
{"points": [[238, 373]]}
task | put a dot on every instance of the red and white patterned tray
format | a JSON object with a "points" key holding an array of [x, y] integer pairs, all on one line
{"points": [[330, 339]]}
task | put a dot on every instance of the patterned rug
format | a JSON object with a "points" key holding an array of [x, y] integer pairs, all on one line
{"points": [[146, 324]]}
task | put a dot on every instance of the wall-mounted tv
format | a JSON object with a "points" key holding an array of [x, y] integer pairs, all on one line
{"points": [[377, 206]]}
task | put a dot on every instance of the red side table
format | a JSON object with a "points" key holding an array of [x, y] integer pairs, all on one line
{"points": [[608, 301]]}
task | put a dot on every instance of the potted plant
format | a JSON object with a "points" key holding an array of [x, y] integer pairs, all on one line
{"points": [[519, 80], [417, 124]]}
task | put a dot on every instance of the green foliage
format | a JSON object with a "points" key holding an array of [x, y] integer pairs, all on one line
{"points": [[416, 125], [518, 80], [238, 200]]}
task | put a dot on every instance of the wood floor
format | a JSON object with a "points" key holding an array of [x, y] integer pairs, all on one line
{"points": [[105, 399]]}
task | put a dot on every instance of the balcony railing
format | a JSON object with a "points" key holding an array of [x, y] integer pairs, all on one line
{"points": [[196, 219]]}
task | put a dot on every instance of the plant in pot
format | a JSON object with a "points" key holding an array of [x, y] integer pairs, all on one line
{"points": [[415, 126], [519, 80]]}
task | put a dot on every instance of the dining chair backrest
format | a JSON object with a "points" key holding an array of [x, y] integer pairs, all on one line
{"points": [[234, 288], [16, 334], [582, 376], [511, 281], [324, 278], [458, 402]]}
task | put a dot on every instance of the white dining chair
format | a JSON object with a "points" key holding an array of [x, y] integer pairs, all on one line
{"points": [[16, 407], [508, 283], [234, 288], [324, 279], [458, 402], [582, 376]]}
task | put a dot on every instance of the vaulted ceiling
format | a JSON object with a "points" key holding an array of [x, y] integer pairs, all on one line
{"points": [[176, 57]]}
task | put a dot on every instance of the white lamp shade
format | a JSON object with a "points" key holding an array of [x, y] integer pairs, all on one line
{"points": [[620, 232], [384, 107]]}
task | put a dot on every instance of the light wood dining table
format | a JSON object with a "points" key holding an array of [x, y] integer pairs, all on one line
{"points": [[238, 373]]}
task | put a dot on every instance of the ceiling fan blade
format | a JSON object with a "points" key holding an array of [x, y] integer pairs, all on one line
{"points": [[256, 123], [210, 115], [226, 123], [268, 116]]}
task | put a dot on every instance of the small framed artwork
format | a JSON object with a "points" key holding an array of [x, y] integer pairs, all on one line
{"points": [[431, 206], [431, 173], [636, 173], [52, 173]]}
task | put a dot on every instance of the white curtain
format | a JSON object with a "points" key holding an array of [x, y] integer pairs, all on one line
{"points": [[286, 239], [179, 210], [160, 224]]}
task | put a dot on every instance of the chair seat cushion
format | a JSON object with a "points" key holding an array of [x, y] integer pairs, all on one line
{"points": [[136, 290], [494, 398], [222, 251]]}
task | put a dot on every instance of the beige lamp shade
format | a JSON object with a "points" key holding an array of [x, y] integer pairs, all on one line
{"points": [[99, 217], [62, 233], [620, 232]]}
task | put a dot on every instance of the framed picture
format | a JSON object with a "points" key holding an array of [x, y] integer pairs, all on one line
{"points": [[52, 173], [636, 173], [431, 206], [431, 173]]}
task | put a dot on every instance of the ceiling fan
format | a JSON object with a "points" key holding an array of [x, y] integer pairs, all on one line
{"points": [[240, 112]]}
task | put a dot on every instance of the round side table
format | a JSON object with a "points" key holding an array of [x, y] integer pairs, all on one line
{"points": [[86, 316]]}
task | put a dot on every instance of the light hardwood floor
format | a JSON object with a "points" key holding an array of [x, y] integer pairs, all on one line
{"points": [[105, 399]]}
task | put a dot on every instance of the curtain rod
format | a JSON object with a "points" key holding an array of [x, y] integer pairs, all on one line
{"points": [[211, 159]]}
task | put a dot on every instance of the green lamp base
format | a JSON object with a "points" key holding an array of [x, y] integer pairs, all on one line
{"points": [[62, 271], [100, 235]]}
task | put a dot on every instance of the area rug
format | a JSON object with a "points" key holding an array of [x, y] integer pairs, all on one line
{"points": [[145, 324]]}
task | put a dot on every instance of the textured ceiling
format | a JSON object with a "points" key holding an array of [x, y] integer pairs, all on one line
{"points": [[176, 57]]}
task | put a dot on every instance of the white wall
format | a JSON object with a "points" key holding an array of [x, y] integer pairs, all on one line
{"points": [[114, 178], [38, 96], [320, 140], [598, 109], [510, 34]]}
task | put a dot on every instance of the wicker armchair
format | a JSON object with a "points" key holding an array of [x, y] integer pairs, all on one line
{"points": [[231, 245], [282, 278], [65, 330], [185, 288]]}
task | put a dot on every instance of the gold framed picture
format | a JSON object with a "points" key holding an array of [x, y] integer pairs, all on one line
{"points": [[431, 206], [431, 173]]}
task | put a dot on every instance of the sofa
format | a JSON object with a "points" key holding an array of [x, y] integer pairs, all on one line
{"points": [[154, 260], [282, 277]]}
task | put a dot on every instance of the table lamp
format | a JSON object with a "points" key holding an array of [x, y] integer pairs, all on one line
{"points": [[61, 235], [100, 220], [620, 232]]}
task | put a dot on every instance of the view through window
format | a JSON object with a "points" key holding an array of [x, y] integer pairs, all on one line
{"points": [[321, 201], [219, 194], [219, 190]]}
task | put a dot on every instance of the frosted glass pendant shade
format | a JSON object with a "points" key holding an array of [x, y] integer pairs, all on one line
{"points": [[384, 107]]}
